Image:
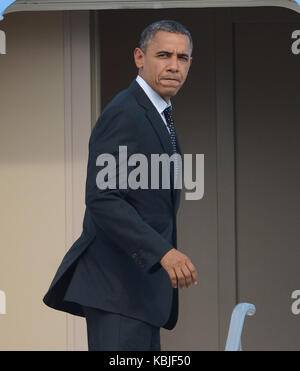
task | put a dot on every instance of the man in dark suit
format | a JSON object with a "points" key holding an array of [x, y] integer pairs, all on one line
{"points": [[122, 272]]}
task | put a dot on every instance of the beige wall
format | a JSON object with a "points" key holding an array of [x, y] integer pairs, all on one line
{"points": [[32, 173]]}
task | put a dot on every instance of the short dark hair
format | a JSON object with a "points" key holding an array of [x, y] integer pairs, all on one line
{"points": [[164, 25]]}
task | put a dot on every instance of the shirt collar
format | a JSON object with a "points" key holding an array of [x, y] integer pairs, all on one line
{"points": [[159, 103]]}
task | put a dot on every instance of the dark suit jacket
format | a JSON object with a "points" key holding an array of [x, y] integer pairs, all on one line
{"points": [[114, 264]]}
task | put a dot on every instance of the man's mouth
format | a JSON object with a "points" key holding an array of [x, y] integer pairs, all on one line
{"points": [[170, 79]]}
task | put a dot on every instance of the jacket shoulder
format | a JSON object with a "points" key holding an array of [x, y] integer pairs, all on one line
{"points": [[124, 101], [121, 113]]}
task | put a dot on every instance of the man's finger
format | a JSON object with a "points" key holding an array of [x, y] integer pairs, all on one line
{"points": [[173, 277], [193, 271], [180, 277], [187, 275]]}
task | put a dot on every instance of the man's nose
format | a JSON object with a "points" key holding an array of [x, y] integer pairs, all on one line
{"points": [[173, 64]]}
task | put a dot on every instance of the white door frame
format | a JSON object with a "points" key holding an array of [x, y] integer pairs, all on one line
{"points": [[77, 83]]}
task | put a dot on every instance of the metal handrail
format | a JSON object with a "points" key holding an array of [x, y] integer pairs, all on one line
{"points": [[239, 313]]}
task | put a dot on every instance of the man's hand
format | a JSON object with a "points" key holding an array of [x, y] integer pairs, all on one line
{"points": [[179, 267]]}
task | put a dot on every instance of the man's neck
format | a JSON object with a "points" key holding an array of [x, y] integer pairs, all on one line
{"points": [[166, 99]]}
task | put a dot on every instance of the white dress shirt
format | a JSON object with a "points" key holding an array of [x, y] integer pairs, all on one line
{"points": [[159, 103]]}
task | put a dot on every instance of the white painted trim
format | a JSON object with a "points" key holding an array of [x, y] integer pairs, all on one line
{"points": [[30, 5], [77, 132], [95, 67], [68, 150]]}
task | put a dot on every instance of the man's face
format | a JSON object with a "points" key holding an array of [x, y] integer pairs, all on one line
{"points": [[165, 63]]}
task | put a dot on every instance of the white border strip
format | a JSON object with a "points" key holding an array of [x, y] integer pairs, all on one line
{"points": [[35, 5]]}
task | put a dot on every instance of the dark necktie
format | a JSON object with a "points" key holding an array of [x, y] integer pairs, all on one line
{"points": [[170, 122], [171, 126]]}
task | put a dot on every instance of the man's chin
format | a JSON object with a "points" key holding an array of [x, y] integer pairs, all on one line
{"points": [[170, 91]]}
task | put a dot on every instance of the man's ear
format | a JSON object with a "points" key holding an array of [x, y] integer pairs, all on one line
{"points": [[138, 57], [191, 60]]}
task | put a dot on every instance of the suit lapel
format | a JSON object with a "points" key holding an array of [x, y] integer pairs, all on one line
{"points": [[153, 116], [178, 191], [159, 127]]}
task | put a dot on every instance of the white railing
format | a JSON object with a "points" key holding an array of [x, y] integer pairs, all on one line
{"points": [[236, 325]]}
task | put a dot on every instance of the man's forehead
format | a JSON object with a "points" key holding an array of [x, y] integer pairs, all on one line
{"points": [[171, 42], [170, 37]]}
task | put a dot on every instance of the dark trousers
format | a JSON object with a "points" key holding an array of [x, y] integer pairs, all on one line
{"points": [[113, 331]]}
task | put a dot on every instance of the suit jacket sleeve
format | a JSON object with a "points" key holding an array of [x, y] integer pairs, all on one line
{"points": [[112, 214]]}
